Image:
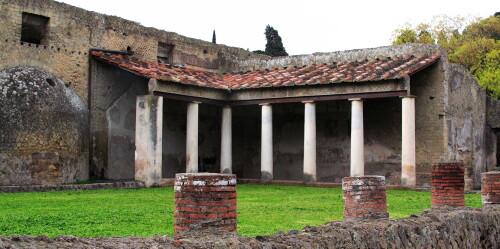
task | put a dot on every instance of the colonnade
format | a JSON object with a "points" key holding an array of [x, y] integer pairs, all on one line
{"points": [[151, 115]]}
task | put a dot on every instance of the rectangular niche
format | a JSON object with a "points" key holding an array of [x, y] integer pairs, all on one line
{"points": [[34, 28], [165, 52]]}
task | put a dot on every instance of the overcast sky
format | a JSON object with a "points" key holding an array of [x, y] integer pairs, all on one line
{"points": [[304, 26]]}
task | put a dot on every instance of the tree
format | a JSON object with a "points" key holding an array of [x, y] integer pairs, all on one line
{"points": [[474, 44], [214, 40], [274, 45]]}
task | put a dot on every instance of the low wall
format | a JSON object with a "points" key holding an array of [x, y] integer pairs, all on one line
{"points": [[76, 187], [438, 228]]}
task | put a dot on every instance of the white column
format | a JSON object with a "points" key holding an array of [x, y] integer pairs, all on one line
{"points": [[226, 155], [266, 156], [309, 142], [408, 171], [148, 139], [357, 139], [192, 138]]}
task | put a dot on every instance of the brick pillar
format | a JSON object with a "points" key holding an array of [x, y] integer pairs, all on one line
{"points": [[447, 184], [490, 188], [364, 197], [204, 200], [45, 168]]}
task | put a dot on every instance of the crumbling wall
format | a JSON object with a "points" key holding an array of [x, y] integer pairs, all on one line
{"points": [[73, 31], [438, 228], [113, 115], [470, 137], [44, 129], [430, 118]]}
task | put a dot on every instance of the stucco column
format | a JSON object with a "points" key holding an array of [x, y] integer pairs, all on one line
{"points": [[148, 139], [357, 138], [192, 138], [309, 142], [408, 172], [226, 155], [266, 154]]}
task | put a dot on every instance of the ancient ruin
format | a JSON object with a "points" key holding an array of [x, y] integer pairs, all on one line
{"points": [[85, 95]]}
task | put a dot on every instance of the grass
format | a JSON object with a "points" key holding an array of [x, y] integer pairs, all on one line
{"points": [[146, 212]]}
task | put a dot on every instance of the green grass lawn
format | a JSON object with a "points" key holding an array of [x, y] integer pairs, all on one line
{"points": [[146, 212]]}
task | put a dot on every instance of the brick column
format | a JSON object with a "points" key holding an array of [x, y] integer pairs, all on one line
{"points": [[364, 197], [204, 200], [447, 184], [490, 188]]}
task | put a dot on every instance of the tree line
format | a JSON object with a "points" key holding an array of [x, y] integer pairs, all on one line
{"points": [[474, 44]]}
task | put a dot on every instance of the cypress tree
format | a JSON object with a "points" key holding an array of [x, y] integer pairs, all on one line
{"points": [[213, 38], [274, 45]]}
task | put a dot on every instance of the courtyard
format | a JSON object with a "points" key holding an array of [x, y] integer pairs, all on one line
{"points": [[262, 209]]}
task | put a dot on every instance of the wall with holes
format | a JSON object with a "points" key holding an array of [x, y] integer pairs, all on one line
{"points": [[70, 32]]}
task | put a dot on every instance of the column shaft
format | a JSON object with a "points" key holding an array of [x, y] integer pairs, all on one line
{"points": [[267, 143], [357, 139], [309, 142], [408, 172], [192, 138], [148, 139], [226, 142]]}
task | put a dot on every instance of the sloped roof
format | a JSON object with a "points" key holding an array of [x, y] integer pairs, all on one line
{"points": [[337, 72]]}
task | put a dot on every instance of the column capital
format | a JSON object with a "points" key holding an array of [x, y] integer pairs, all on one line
{"points": [[308, 101], [355, 99], [264, 104], [196, 102], [408, 96]]}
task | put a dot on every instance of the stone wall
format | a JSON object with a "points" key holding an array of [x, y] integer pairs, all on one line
{"points": [[470, 138], [438, 228], [44, 129], [73, 31], [112, 123]]}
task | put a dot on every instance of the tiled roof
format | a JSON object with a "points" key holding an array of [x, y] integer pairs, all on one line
{"points": [[353, 71]]}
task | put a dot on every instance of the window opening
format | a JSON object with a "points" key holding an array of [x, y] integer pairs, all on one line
{"points": [[165, 52], [34, 28]]}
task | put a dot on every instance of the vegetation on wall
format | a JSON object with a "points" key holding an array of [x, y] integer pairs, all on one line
{"points": [[474, 44]]}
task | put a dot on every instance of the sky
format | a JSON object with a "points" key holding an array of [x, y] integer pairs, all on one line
{"points": [[304, 26]]}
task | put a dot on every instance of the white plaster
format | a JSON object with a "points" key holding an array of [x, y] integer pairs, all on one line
{"points": [[192, 138], [226, 141], [357, 139], [199, 183], [267, 140], [310, 140], [221, 183], [408, 158], [232, 182], [148, 140]]}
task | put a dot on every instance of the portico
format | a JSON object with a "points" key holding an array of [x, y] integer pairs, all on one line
{"points": [[309, 131]]}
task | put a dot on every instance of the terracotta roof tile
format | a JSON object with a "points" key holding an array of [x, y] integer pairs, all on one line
{"points": [[345, 71]]}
